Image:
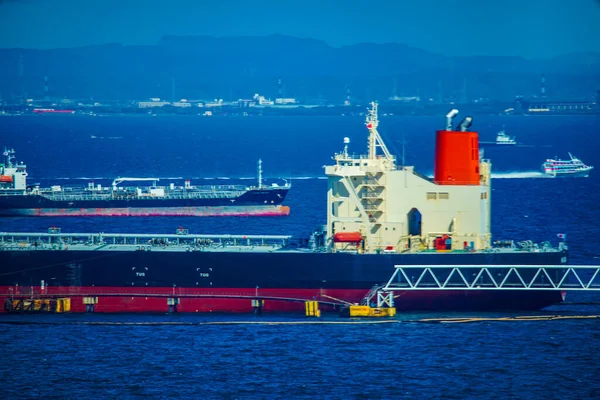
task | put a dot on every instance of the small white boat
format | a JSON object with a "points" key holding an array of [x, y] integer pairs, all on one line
{"points": [[505, 140], [566, 168], [502, 139]]}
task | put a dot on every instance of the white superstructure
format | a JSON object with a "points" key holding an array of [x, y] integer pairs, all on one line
{"points": [[13, 176], [396, 209]]}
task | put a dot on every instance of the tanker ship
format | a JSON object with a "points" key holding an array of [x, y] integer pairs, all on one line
{"points": [[17, 198], [380, 215]]}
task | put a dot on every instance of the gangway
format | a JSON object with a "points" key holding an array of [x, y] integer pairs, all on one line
{"points": [[494, 277], [483, 277]]}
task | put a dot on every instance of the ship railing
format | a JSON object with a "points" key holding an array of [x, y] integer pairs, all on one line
{"points": [[71, 197], [373, 207], [61, 241], [107, 190], [356, 156], [135, 196], [12, 192], [494, 277], [204, 195], [372, 195], [371, 182], [366, 301]]}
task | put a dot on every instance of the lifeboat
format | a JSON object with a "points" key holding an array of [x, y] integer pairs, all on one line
{"points": [[348, 237], [6, 179]]}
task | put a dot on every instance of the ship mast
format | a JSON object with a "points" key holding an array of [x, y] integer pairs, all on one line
{"points": [[375, 139], [9, 155], [259, 168]]}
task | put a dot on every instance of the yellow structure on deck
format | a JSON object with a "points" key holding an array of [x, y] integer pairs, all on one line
{"points": [[312, 309], [60, 305], [367, 311], [63, 305]]}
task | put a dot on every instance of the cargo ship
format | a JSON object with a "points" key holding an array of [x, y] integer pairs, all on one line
{"points": [[17, 198], [379, 215]]}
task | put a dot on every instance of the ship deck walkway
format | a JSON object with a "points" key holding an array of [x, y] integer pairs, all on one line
{"points": [[407, 278], [68, 196], [494, 277], [28, 241]]}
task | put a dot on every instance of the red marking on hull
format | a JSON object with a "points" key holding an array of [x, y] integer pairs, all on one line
{"points": [[231, 300], [238, 300], [258, 211]]}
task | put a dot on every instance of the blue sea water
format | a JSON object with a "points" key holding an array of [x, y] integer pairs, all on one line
{"points": [[175, 356]]}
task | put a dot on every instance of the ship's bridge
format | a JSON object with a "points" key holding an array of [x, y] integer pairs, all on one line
{"points": [[359, 165], [13, 176], [347, 164]]}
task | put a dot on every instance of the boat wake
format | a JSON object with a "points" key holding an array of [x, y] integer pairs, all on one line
{"points": [[518, 175]]}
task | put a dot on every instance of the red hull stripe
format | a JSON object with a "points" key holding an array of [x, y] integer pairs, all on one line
{"points": [[233, 300], [239, 300]]}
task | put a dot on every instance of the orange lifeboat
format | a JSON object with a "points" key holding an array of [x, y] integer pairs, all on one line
{"points": [[347, 237], [6, 179]]}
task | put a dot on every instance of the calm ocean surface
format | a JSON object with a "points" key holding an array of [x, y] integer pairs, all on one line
{"points": [[176, 356]]}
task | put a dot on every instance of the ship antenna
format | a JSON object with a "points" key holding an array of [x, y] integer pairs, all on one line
{"points": [[9, 155], [259, 173], [403, 151], [375, 139], [346, 142]]}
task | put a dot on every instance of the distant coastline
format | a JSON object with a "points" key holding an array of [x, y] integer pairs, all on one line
{"points": [[498, 108], [289, 69]]}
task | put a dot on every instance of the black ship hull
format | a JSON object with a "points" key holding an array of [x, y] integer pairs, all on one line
{"points": [[257, 202], [226, 281]]}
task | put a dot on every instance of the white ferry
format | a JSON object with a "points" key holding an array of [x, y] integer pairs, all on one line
{"points": [[566, 168]]}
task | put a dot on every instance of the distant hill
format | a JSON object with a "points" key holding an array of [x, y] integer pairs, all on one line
{"points": [[237, 67]]}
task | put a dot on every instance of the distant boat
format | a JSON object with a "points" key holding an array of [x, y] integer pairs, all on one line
{"points": [[52, 111], [17, 198], [503, 139], [566, 168]]}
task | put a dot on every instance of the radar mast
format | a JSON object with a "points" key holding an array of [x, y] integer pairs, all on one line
{"points": [[375, 140]]}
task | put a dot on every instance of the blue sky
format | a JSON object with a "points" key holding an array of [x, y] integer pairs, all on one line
{"points": [[529, 28]]}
